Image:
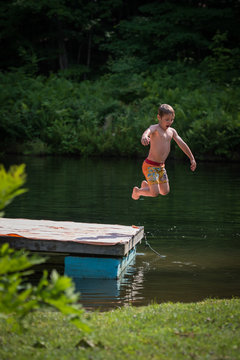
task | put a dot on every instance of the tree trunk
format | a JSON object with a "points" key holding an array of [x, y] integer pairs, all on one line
{"points": [[89, 48], [88, 52], [63, 58], [79, 53]]}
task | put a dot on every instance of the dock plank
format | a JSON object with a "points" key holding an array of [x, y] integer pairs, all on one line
{"points": [[70, 237]]}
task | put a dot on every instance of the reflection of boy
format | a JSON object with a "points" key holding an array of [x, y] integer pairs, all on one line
{"points": [[159, 136]]}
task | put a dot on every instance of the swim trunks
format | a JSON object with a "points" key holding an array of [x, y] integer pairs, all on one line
{"points": [[155, 173]]}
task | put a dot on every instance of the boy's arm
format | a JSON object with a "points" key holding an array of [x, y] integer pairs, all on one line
{"points": [[185, 148], [145, 140]]}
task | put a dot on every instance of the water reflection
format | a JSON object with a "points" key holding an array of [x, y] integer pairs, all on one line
{"points": [[197, 226], [100, 293]]}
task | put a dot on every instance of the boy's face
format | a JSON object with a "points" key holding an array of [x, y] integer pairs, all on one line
{"points": [[165, 121]]}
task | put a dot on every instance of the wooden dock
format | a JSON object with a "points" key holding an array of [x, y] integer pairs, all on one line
{"points": [[69, 237], [76, 241]]}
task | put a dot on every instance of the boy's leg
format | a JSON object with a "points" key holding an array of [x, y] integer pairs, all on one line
{"points": [[144, 184], [164, 188], [152, 190]]}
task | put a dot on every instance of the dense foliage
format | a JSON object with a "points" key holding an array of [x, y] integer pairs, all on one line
{"points": [[61, 34], [86, 77], [107, 116]]}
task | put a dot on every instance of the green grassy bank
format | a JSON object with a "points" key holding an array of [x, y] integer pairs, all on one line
{"points": [[204, 330]]}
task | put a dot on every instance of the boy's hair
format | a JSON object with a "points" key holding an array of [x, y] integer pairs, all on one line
{"points": [[165, 109]]}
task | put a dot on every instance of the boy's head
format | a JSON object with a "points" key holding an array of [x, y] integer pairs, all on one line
{"points": [[165, 116], [165, 109]]}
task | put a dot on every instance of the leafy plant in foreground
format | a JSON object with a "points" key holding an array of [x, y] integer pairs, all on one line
{"points": [[10, 182], [18, 297]]}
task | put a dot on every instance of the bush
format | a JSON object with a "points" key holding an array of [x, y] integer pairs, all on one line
{"points": [[10, 183], [17, 297], [207, 115], [107, 116]]}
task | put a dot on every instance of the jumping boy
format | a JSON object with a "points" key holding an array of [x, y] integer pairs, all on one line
{"points": [[159, 136]]}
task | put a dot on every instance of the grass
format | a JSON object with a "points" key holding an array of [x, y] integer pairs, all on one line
{"points": [[204, 330]]}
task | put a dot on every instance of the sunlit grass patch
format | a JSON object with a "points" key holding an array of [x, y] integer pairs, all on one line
{"points": [[204, 330]]}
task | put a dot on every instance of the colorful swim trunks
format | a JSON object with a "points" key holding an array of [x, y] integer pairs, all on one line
{"points": [[155, 173]]}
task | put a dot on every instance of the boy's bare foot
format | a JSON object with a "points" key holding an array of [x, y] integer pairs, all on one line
{"points": [[135, 195], [144, 184]]}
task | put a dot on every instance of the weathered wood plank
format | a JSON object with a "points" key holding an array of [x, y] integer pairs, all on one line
{"points": [[69, 237]]}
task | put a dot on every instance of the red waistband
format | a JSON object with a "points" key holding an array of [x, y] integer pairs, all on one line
{"points": [[153, 162]]}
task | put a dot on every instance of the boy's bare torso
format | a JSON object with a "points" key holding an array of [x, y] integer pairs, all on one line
{"points": [[160, 141], [159, 137]]}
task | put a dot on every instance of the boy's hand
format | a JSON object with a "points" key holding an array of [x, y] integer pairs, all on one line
{"points": [[145, 140], [193, 164]]}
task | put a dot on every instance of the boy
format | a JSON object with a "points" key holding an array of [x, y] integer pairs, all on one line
{"points": [[159, 136]]}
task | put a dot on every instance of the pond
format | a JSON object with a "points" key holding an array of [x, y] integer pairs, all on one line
{"points": [[196, 227]]}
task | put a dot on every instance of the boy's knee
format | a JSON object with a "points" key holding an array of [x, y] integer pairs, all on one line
{"points": [[164, 189], [154, 193], [164, 193]]}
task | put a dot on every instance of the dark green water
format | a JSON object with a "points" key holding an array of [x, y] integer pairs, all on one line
{"points": [[197, 226]]}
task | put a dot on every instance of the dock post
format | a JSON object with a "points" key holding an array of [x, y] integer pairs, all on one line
{"points": [[97, 267]]}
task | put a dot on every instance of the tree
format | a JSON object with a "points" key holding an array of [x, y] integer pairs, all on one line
{"points": [[64, 31], [172, 29], [61, 34]]}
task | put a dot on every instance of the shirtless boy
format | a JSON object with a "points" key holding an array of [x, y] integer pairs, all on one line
{"points": [[159, 136]]}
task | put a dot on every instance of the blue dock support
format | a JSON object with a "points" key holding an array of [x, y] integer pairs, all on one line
{"points": [[97, 267]]}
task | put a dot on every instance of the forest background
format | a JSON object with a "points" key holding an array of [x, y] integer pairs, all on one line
{"points": [[86, 77]]}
